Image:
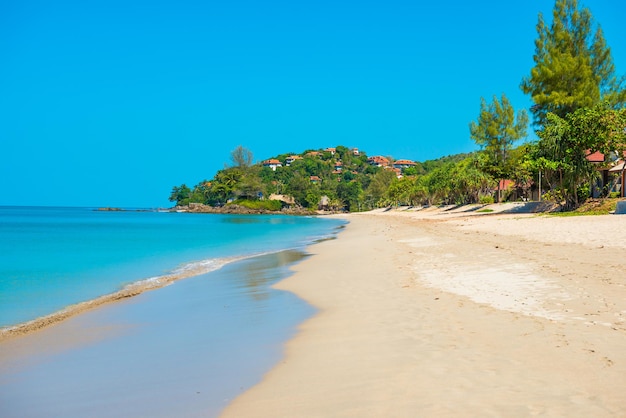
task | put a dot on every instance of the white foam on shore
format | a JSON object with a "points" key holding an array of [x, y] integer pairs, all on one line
{"points": [[192, 269]]}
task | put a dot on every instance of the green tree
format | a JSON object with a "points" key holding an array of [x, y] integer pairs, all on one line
{"points": [[495, 131], [438, 184], [218, 194], [298, 187], [400, 191], [241, 157], [573, 65], [250, 187], [468, 183], [223, 186], [379, 184], [565, 143], [350, 194], [180, 195]]}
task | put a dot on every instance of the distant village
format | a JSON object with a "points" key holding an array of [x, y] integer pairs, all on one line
{"points": [[347, 179], [397, 166]]}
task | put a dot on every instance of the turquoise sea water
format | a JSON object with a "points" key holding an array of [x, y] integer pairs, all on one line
{"points": [[187, 349], [54, 257]]}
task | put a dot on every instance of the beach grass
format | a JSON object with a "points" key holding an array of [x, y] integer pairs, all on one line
{"points": [[591, 207]]}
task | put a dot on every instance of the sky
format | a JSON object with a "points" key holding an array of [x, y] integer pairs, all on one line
{"points": [[112, 103]]}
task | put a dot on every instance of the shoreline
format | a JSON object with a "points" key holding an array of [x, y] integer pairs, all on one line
{"points": [[134, 289], [448, 312], [443, 313], [185, 350], [127, 286]]}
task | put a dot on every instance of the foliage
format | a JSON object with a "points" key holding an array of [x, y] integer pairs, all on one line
{"points": [[241, 157], [495, 131], [269, 205], [565, 143], [456, 183], [401, 192], [592, 207], [573, 65], [378, 186], [315, 180], [578, 110], [350, 194], [180, 194], [555, 195]]}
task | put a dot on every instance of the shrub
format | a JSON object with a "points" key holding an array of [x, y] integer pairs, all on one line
{"points": [[271, 205], [486, 200], [555, 195], [583, 192]]}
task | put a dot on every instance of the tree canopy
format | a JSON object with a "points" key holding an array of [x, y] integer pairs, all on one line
{"points": [[566, 142], [573, 65], [495, 131], [241, 157]]}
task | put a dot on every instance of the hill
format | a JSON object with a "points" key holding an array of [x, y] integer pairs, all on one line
{"points": [[338, 178]]}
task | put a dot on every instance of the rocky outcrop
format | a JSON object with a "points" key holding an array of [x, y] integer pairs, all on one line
{"points": [[241, 210]]}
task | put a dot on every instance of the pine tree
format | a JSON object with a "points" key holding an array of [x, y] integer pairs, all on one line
{"points": [[573, 66]]}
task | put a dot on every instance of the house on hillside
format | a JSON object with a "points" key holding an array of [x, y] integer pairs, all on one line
{"points": [[397, 171], [315, 179], [378, 161], [289, 160], [404, 164], [338, 166], [355, 151], [331, 150], [272, 163]]}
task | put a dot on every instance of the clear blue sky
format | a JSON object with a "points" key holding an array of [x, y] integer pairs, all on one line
{"points": [[114, 102]]}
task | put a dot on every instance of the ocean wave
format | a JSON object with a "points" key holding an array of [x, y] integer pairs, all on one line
{"points": [[187, 270]]}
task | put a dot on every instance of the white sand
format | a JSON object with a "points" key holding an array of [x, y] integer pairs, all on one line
{"points": [[454, 313]]}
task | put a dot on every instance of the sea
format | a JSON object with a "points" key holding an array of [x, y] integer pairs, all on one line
{"points": [[186, 349]]}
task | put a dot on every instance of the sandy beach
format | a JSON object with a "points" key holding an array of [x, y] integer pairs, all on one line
{"points": [[456, 313], [420, 312]]}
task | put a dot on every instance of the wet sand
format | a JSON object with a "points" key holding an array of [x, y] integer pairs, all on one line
{"points": [[129, 291], [456, 313], [184, 350]]}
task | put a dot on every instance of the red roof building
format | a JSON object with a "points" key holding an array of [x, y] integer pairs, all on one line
{"points": [[272, 163], [402, 164], [378, 161]]}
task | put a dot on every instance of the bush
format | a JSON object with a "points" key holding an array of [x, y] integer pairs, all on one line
{"points": [[583, 192], [486, 200], [271, 205], [614, 195], [555, 195]]}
